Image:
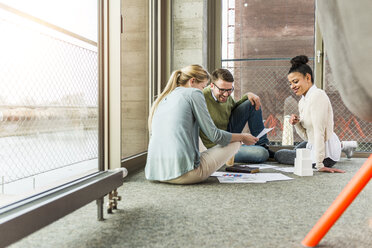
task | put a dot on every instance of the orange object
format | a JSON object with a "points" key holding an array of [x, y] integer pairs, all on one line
{"points": [[272, 122], [345, 127], [360, 131], [343, 200]]}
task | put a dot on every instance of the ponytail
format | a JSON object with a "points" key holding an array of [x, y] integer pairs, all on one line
{"points": [[171, 85], [179, 78]]}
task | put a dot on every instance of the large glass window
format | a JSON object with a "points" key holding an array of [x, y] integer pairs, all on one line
{"points": [[48, 94], [258, 39]]}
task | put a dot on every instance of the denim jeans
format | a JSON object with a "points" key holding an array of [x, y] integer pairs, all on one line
{"points": [[240, 116], [286, 156]]}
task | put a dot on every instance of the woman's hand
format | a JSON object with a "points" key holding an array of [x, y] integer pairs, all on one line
{"points": [[331, 170], [245, 138], [248, 139], [294, 119]]}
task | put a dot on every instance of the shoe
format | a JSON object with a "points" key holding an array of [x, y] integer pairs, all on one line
{"points": [[271, 153], [348, 147]]}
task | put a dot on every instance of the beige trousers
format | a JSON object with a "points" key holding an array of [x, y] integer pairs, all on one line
{"points": [[210, 161]]}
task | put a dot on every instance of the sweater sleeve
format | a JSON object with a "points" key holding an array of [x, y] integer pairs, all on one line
{"points": [[301, 131], [319, 115], [200, 110], [243, 99]]}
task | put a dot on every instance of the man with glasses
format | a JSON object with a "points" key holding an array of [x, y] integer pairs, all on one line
{"points": [[233, 116]]}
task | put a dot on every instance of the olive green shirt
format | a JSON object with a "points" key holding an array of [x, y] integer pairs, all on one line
{"points": [[220, 112]]}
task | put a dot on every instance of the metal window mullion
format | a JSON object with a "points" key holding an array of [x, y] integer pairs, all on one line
{"points": [[318, 55]]}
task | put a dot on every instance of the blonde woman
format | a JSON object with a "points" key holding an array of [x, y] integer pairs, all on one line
{"points": [[174, 122]]}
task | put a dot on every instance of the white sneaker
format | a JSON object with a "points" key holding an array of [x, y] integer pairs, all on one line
{"points": [[348, 147]]}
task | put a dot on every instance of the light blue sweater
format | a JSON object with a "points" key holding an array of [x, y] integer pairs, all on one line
{"points": [[174, 141]]}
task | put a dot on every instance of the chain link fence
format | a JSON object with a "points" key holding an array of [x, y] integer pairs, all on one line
{"points": [[347, 125], [48, 100], [268, 79]]}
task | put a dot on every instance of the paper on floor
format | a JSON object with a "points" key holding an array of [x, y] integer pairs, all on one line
{"points": [[251, 179], [285, 169], [269, 177], [259, 166], [225, 177]]}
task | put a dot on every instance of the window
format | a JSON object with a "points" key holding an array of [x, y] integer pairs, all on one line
{"points": [[259, 37], [48, 94], [347, 125]]}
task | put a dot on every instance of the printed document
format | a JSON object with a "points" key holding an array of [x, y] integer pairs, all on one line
{"points": [[263, 132], [231, 177]]}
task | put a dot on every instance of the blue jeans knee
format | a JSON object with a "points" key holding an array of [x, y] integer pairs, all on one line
{"points": [[251, 154]]}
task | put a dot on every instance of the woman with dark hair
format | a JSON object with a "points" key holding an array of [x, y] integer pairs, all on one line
{"points": [[315, 121]]}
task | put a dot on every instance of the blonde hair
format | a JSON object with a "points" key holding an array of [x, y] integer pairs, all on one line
{"points": [[179, 78]]}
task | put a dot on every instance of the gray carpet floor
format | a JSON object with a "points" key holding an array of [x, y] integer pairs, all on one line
{"points": [[210, 214]]}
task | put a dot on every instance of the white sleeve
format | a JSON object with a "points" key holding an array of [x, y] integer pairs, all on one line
{"points": [[319, 118], [301, 131]]}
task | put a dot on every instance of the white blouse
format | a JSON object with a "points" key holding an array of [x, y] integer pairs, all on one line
{"points": [[332, 149], [316, 126]]}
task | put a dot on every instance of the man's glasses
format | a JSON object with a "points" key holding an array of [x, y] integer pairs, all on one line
{"points": [[229, 91]]}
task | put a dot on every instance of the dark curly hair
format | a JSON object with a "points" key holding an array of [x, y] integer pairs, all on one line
{"points": [[299, 64]]}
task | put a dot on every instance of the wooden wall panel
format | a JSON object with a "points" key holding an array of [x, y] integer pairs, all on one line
{"points": [[134, 76]]}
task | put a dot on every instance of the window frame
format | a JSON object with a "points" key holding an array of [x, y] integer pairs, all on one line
{"points": [[26, 216]]}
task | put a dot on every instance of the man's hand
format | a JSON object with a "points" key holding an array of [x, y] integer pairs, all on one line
{"points": [[294, 119], [255, 100]]}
